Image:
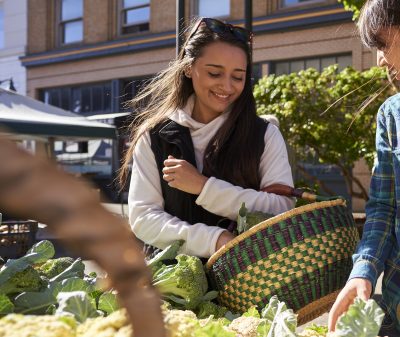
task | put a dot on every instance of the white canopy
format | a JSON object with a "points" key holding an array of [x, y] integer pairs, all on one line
{"points": [[24, 115]]}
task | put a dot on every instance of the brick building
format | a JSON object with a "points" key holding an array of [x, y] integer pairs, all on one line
{"points": [[90, 56]]}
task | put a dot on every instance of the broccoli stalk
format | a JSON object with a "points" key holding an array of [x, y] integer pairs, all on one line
{"points": [[184, 283]]}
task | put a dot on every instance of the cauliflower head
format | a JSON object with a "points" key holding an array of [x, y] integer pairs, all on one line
{"points": [[17, 325]]}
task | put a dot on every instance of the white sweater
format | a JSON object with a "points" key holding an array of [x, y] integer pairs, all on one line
{"points": [[153, 225]]}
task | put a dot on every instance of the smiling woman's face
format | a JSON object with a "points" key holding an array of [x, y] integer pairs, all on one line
{"points": [[218, 77], [389, 54]]}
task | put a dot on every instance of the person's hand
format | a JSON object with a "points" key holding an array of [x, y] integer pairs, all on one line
{"points": [[355, 287], [182, 175], [223, 239]]}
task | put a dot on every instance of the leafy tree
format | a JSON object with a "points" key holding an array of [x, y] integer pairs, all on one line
{"points": [[330, 116], [354, 6]]}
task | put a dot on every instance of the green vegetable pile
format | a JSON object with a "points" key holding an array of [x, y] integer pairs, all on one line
{"points": [[47, 297], [182, 281], [39, 284]]}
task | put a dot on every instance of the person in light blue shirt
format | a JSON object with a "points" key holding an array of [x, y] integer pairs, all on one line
{"points": [[378, 250]]}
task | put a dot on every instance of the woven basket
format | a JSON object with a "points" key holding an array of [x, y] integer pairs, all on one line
{"points": [[303, 256]]}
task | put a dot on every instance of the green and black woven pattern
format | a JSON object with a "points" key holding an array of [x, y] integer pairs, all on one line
{"points": [[301, 257]]}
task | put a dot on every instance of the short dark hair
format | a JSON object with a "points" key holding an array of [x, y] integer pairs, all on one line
{"points": [[377, 15]]}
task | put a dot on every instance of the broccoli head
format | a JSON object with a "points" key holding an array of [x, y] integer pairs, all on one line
{"points": [[28, 279], [184, 282], [53, 267], [207, 308]]}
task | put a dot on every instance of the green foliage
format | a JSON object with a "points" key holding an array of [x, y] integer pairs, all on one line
{"points": [[169, 253], [208, 308], [76, 269], [354, 6], [38, 303], [28, 279], [186, 280], [282, 321], [6, 306], [76, 304], [33, 293], [362, 319], [213, 329], [246, 219], [340, 135], [53, 267], [39, 253], [108, 302]]}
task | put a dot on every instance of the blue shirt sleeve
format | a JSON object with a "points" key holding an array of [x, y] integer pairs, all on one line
{"points": [[378, 235]]}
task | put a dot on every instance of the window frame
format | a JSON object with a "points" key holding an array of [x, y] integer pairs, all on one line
{"points": [[121, 22], [57, 93], [299, 4], [61, 26], [195, 6], [274, 63]]}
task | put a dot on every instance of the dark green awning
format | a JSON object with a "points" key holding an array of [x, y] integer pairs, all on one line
{"points": [[24, 115]]}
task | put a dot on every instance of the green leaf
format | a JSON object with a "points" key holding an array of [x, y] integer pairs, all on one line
{"points": [[213, 329], [44, 251], [77, 269], [283, 321], [362, 319], [252, 312], [37, 302], [209, 296], [6, 306], [39, 253], [76, 284], [77, 304], [108, 303]]}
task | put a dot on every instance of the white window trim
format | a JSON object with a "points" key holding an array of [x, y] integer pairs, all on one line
{"points": [[121, 23], [61, 24], [194, 10]]}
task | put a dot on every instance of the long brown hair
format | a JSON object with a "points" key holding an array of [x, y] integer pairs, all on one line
{"points": [[230, 154], [375, 16]]}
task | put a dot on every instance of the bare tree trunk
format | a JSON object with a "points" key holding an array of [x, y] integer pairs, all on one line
{"points": [[315, 179], [350, 179]]}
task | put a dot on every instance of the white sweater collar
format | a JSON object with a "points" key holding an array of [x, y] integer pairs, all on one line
{"points": [[184, 117]]}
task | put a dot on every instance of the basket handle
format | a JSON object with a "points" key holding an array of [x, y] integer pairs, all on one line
{"points": [[288, 191]]}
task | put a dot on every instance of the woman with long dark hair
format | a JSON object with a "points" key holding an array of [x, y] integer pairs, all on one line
{"points": [[198, 149], [378, 250]]}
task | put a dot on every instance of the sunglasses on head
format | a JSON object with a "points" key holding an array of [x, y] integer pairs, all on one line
{"points": [[222, 28]]}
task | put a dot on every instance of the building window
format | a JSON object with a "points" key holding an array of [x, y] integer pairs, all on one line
{"points": [[211, 8], [135, 16], [1, 25], [319, 63], [84, 100], [71, 21], [289, 3]]}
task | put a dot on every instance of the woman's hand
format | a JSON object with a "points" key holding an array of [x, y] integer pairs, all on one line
{"points": [[223, 239], [355, 287], [183, 176]]}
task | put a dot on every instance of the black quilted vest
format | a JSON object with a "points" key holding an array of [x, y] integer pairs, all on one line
{"points": [[171, 138]]}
